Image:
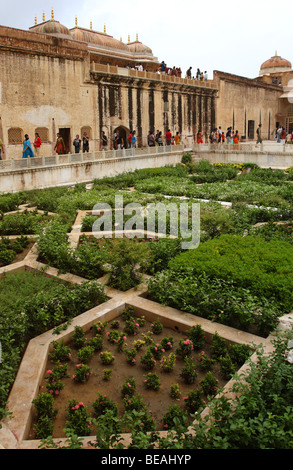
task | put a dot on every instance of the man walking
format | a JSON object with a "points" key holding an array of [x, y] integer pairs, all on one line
{"points": [[258, 132]]}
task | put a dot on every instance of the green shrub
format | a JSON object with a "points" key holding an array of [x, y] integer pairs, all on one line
{"points": [[78, 418], [235, 258], [104, 403], [215, 299]]}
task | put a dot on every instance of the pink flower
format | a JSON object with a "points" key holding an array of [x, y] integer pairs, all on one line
{"points": [[56, 392], [73, 376], [49, 372]]}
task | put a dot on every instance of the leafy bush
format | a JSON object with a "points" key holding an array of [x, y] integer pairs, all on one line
{"points": [[78, 418], [82, 373], [188, 372], [215, 299], [104, 403], [152, 381], [45, 303], [234, 258]]}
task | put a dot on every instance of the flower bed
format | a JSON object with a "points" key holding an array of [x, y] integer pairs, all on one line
{"points": [[22, 223], [14, 250], [32, 303], [132, 364]]}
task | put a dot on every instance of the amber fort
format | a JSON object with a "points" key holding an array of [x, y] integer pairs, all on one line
{"points": [[70, 81]]}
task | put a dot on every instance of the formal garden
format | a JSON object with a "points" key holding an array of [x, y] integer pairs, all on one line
{"points": [[140, 377]]}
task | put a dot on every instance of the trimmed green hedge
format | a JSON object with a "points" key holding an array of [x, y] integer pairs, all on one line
{"points": [[265, 267]]}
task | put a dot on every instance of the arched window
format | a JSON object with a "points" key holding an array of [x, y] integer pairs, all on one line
{"points": [[88, 131], [43, 133], [15, 136]]}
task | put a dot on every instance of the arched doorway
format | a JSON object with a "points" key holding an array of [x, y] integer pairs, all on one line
{"points": [[123, 132]]}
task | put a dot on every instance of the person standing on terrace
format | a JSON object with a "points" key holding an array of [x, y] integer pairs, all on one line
{"points": [[177, 138], [27, 148], [37, 144], [163, 67], [77, 143], [236, 140], [168, 137], [199, 137], [188, 73], [85, 143], [151, 139], [1, 148], [258, 132], [104, 140], [59, 146], [133, 140]]}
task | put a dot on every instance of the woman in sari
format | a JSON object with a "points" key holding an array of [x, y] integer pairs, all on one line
{"points": [[60, 146], [199, 137], [177, 138], [27, 148]]}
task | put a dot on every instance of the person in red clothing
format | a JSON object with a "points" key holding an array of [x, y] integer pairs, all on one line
{"points": [[236, 140], [168, 137], [37, 144], [199, 137]]}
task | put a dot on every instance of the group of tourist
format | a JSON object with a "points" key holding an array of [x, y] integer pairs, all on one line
{"points": [[138, 67], [218, 136], [282, 136], [201, 76], [177, 72], [77, 143], [174, 71], [28, 151], [31, 150], [157, 139]]}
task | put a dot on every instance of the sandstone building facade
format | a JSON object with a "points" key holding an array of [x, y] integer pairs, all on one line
{"points": [[55, 80]]}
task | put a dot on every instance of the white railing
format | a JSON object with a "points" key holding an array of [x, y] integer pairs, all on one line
{"points": [[77, 158], [267, 146]]}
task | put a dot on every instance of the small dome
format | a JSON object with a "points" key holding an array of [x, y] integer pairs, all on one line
{"points": [[52, 27], [137, 46], [93, 37], [275, 64]]}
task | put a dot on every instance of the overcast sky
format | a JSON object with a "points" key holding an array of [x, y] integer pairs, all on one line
{"points": [[210, 35]]}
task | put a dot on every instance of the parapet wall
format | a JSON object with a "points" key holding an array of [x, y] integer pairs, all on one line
{"points": [[280, 157], [64, 174]]}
